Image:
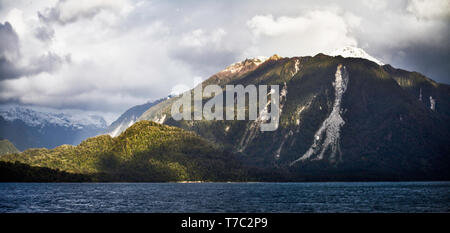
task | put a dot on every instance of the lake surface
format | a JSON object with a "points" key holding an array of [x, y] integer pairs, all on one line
{"points": [[226, 197]]}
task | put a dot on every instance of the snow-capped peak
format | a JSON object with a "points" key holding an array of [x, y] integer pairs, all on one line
{"points": [[36, 118], [349, 51], [242, 65]]}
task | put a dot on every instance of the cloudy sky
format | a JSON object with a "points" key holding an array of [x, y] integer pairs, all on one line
{"points": [[104, 56]]}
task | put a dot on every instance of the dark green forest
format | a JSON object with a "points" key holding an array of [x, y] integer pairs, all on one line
{"points": [[146, 151], [20, 172]]}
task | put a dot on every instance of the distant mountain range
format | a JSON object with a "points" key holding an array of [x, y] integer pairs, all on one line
{"points": [[342, 118], [28, 128]]}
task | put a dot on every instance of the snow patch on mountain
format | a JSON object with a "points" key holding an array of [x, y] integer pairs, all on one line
{"points": [[116, 131], [129, 117], [41, 119], [349, 51], [242, 65]]}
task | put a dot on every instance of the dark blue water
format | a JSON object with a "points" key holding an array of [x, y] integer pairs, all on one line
{"points": [[226, 197]]}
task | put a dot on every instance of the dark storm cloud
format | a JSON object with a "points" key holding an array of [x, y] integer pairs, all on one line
{"points": [[10, 55], [9, 49], [45, 63], [413, 36], [431, 58], [433, 62], [7, 70], [9, 41]]}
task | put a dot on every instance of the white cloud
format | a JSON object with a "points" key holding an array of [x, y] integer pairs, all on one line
{"points": [[69, 11], [375, 4], [200, 38], [110, 68], [307, 34], [429, 9], [15, 17]]}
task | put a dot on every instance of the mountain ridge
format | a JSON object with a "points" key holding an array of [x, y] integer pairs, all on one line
{"points": [[28, 128], [129, 117], [352, 118], [354, 52], [146, 151], [374, 92]]}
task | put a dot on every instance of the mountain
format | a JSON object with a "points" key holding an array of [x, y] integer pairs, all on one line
{"points": [[146, 151], [129, 117], [6, 147], [28, 128], [341, 119], [237, 68], [349, 51]]}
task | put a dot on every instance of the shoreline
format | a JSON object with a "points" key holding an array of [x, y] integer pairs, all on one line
{"points": [[231, 182]]}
